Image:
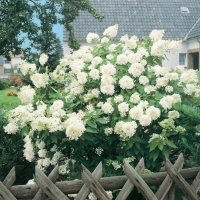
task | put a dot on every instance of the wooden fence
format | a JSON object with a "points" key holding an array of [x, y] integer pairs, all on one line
{"points": [[47, 187]]}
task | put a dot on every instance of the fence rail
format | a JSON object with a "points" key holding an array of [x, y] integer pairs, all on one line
{"points": [[47, 187]]}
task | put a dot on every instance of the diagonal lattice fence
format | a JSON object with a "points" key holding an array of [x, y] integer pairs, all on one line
{"points": [[47, 187]]}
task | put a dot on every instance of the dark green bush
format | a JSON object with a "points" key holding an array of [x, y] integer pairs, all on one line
{"points": [[11, 154], [4, 83]]}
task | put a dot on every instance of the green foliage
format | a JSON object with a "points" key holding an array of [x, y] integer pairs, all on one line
{"points": [[4, 83], [8, 102], [11, 154]]}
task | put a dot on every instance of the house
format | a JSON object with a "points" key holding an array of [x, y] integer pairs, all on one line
{"points": [[179, 18], [7, 67]]}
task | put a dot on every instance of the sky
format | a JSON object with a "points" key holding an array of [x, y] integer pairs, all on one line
{"points": [[58, 29]]}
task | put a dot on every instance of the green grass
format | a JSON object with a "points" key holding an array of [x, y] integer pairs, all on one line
{"points": [[8, 102]]}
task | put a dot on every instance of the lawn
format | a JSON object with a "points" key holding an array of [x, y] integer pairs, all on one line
{"points": [[8, 102]]}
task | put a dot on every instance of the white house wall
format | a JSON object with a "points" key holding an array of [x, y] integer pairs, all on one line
{"points": [[172, 59]]}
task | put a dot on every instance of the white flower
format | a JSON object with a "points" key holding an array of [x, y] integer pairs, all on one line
{"points": [[40, 80], [27, 67], [149, 88], [107, 108], [189, 76], [131, 44], [161, 82], [159, 48], [109, 56], [173, 114], [46, 162], [104, 40], [156, 35], [143, 80], [87, 57], [136, 69], [167, 102], [123, 107], [169, 89], [108, 69], [129, 129], [118, 98], [42, 153], [190, 89], [135, 98], [92, 37], [124, 38], [126, 82], [98, 151], [145, 120], [11, 128], [108, 131], [26, 94], [174, 46], [136, 112], [96, 61], [122, 59], [43, 58], [53, 124], [41, 145], [94, 74], [153, 112], [159, 71], [111, 31], [112, 48], [28, 149], [108, 89], [82, 77]]}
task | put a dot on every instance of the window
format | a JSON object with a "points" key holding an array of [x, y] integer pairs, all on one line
{"points": [[6, 62], [182, 58], [184, 10]]}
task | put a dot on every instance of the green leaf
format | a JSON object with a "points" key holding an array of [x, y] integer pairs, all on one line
{"points": [[171, 144], [88, 136], [153, 146], [160, 146], [91, 130], [54, 138], [101, 121], [155, 154], [25, 130], [92, 124]]}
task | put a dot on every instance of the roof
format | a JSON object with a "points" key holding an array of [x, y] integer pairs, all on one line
{"points": [[140, 17], [195, 30]]}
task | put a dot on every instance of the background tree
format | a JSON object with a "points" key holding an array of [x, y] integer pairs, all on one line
{"points": [[17, 24]]}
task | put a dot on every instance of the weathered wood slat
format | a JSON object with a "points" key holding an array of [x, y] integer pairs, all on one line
{"points": [[171, 194], [5, 193], [53, 176], [167, 183], [10, 178], [128, 187], [195, 184], [180, 181], [108, 183], [137, 180], [93, 185], [84, 192], [48, 186]]}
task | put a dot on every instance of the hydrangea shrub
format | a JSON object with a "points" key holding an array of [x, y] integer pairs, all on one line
{"points": [[109, 102]]}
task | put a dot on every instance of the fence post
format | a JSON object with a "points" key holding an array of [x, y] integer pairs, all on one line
{"points": [[128, 186], [137, 180], [180, 181], [167, 183]]}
